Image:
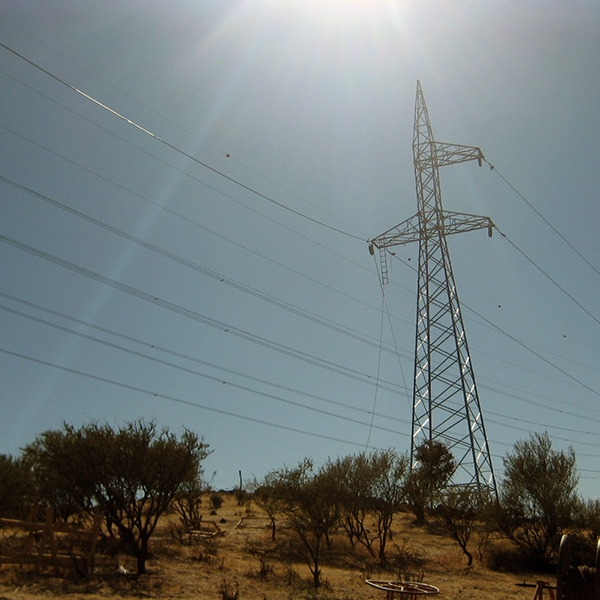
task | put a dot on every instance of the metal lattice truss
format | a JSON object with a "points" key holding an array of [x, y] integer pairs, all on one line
{"points": [[445, 401]]}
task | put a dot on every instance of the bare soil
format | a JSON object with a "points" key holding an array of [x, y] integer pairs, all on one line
{"points": [[243, 563]]}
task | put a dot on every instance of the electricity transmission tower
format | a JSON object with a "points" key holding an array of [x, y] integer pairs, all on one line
{"points": [[446, 405]]}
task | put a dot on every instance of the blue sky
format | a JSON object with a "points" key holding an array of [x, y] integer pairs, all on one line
{"points": [[233, 292]]}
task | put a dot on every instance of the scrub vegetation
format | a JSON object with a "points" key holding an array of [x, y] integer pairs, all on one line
{"points": [[300, 531]]}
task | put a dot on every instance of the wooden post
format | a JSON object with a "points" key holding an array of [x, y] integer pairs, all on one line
{"points": [[95, 532], [539, 590]]}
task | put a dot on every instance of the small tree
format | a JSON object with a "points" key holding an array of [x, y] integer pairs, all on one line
{"points": [[354, 476], [433, 468], [188, 503], [308, 501], [265, 495], [132, 474], [388, 494], [15, 486], [371, 484], [538, 496], [459, 513], [589, 519]]}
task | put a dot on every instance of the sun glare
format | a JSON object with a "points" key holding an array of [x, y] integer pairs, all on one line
{"points": [[343, 9]]}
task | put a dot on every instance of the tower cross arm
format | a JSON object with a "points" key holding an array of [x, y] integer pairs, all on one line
{"points": [[455, 222], [404, 233], [451, 154], [418, 227]]}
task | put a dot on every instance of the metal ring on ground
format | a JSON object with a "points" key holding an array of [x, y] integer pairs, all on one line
{"points": [[403, 587]]}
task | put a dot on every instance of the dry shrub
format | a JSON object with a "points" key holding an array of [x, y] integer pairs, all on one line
{"points": [[229, 590], [509, 560], [216, 500], [583, 549], [264, 555], [11, 577], [178, 534], [408, 559]]}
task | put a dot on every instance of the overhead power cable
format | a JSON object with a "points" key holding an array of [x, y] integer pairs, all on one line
{"points": [[197, 405], [169, 120], [376, 380], [223, 279], [175, 148], [162, 349], [528, 348], [171, 166], [244, 388], [393, 255], [205, 271], [513, 338], [177, 400], [541, 216], [562, 289], [201, 406], [544, 404], [223, 175], [198, 225], [547, 426], [224, 327], [212, 378]]}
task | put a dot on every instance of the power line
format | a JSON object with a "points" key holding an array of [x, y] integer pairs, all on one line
{"points": [[216, 379], [132, 123], [541, 425], [562, 289], [496, 328], [541, 216], [147, 344], [520, 343], [193, 222], [224, 327], [544, 405], [197, 267], [172, 146], [193, 372], [190, 403], [203, 183], [158, 348], [171, 255], [175, 148], [175, 399], [377, 379], [237, 386], [528, 348], [169, 121]]}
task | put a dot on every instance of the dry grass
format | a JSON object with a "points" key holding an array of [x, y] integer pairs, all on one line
{"points": [[244, 564]]}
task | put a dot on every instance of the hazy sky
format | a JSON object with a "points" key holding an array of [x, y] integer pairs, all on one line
{"points": [[215, 275]]}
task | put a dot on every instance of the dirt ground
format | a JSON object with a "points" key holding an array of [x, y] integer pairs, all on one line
{"points": [[242, 563]]}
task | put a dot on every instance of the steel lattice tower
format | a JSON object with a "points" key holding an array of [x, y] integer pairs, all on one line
{"points": [[446, 405]]}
